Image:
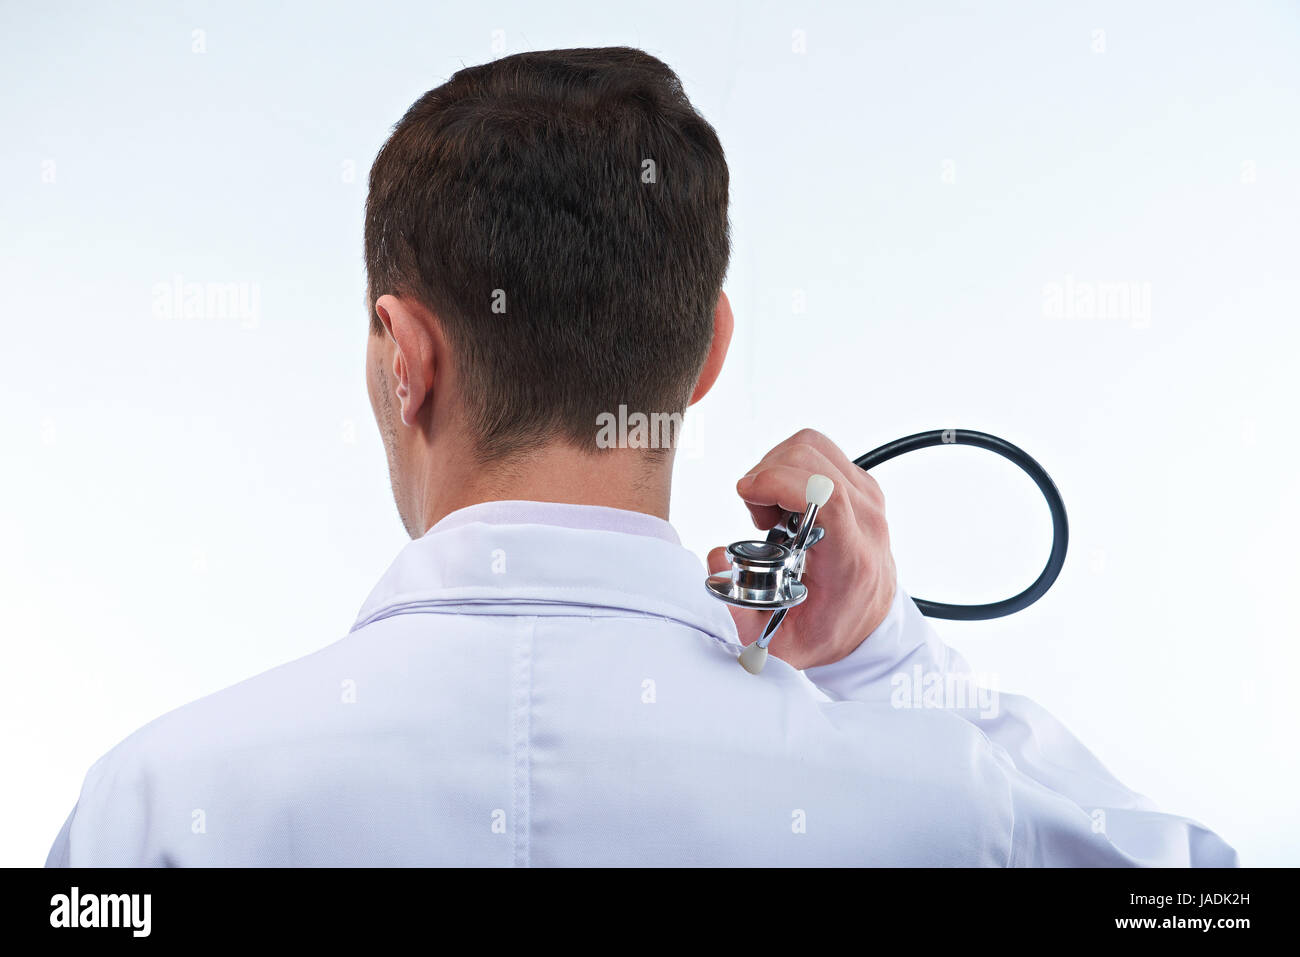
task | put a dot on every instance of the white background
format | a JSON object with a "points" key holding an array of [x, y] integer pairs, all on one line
{"points": [[184, 503]]}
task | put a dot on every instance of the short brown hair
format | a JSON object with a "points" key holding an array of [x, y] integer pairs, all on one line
{"points": [[580, 190]]}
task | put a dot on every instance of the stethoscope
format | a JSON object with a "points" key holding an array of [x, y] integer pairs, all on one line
{"points": [[765, 575]]}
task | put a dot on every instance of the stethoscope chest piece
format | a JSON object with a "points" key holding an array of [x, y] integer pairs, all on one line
{"points": [[763, 575]]}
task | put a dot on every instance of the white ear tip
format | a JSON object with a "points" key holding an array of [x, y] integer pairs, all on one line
{"points": [[753, 658], [819, 490]]}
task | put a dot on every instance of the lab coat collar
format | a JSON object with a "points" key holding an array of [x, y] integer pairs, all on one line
{"points": [[543, 558]]}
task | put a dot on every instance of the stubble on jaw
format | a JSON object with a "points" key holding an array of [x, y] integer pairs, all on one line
{"points": [[387, 419]]}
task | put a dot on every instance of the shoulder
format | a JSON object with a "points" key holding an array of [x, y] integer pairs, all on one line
{"points": [[210, 756], [281, 701]]}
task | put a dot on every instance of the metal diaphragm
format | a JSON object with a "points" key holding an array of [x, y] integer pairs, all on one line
{"points": [[759, 577]]}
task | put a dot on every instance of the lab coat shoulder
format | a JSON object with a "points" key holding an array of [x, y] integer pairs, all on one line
{"points": [[949, 782], [151, 799], [873, 785], [354, 754], [1068, 809]]}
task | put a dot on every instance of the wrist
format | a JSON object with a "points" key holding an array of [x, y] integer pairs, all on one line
{"points": [[875, 656]]}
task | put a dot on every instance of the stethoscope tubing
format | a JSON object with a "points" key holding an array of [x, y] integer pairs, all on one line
{"points": [[1060, 524]]}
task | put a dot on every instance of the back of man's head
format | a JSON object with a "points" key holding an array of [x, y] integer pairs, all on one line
{"points": [[563, 215]]}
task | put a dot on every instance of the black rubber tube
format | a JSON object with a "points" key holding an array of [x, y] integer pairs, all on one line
{"points": [[1060, 525]]}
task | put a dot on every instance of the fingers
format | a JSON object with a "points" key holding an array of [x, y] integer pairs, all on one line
{"points": [[860, 479], [779, 484], [833, 454], [771, 491]]}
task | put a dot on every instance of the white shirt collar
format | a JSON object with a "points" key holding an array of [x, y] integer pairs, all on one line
{"points": [[543, 558], [591, 517]]}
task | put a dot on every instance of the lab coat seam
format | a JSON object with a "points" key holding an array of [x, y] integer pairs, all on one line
{"points": [[1011, 806], [1011, 792], [521, 722], [629, 614]]}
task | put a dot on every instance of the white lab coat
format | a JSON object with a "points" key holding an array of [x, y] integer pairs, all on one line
{"points": [[534, 684]]}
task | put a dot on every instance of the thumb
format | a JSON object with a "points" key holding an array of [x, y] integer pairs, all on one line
{"points": [[717, 561]]}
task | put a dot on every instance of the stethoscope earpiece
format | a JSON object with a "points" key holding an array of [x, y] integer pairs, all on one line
{"points": [[753, 658]]}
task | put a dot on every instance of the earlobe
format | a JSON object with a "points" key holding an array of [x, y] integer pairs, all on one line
{"points": [[724, 324]]}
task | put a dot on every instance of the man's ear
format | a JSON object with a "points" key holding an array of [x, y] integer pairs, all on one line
{"points": [[410, 327], [724, 323]]}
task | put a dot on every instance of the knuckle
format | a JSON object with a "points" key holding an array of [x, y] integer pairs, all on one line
{"points": [[873, 491], [800, 455], [809, 437], [805, 455], [877, 527]]}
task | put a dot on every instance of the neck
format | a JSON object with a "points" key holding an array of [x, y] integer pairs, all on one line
{"points": [[629, 479]]}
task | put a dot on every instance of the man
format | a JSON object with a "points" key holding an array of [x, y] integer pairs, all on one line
{"points": [[541, 678]]}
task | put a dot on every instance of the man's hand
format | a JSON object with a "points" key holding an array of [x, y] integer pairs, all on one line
{"points": [[850, 573]]}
